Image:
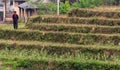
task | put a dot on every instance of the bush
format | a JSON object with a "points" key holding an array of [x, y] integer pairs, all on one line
{"points": [[86, 3], [49, 8], [64, 7]]}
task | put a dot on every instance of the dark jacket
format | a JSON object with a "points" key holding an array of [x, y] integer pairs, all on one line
{"points": [[15, 17]]}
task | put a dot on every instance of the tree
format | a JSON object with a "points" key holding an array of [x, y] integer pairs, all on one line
{"points": [[117, 2], [64, 7]]}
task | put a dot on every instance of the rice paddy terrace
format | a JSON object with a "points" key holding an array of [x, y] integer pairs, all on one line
{"points": [[86, 40]]}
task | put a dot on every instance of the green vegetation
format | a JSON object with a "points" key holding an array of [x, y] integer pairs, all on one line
{"points": [[61, 37], [64, 7], [60, 48], [93, 13], [87, 4], [64, 42], [93, 38], [75, 28], [10, 26], [75, 20], [51, 8], [29, 59]]}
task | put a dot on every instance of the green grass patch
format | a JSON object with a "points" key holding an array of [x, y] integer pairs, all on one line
{"points": [[10, 26], [74, 28], [30, 58]]}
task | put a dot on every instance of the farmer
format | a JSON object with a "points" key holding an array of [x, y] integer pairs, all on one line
{"points": [[15, 20]]}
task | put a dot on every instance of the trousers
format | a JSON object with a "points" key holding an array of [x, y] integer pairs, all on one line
{"points": [[15, 24]]}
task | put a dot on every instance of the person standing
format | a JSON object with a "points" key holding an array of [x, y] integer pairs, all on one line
{"points": [[15, 18]]}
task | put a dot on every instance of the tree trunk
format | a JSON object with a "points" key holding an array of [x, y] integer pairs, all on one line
{"points": [[117, 2]]}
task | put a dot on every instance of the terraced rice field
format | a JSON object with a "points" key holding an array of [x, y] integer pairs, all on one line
{"points": [[62, 43]]}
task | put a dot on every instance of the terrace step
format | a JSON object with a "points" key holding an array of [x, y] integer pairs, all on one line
{"points": [[94, 13], [75, 20], [55, 63], [81, 28], [62, 37], [60, 48]]}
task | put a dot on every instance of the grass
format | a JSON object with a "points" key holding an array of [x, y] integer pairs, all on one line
{"points": [[74, 20], [75, 28], [28, 42], [13, 57], [17, 57], [104, 9], [10, 26], [74, 25], [68, 37], [55, 32], [59, 36], [60, 48], [108, 8]]}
